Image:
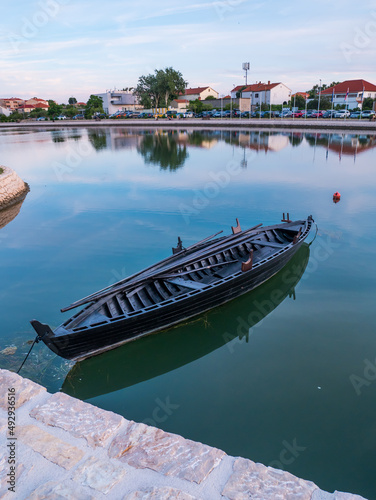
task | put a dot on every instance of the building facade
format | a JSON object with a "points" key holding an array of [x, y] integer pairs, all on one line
{"points": [[350, 93], [263, 93], [200, 93], [119, 100]]}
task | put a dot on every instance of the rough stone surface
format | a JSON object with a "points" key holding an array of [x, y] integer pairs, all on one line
{"points": [[164, 493], [78, 418], [4, 471], [142, 446], [24, 389], [54, 490], [256, 481], [99, 475], [337, 495], [11, 186], [51, 447]]}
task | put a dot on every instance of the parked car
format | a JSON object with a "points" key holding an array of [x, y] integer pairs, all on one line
{"points": [[328, 113], [188, 114], [286, 113], [342, 113], [79, 117], [317, 114], [355, 114], [368, 114], [41, 118], [61, 117], [245, 114], [296, 114]]}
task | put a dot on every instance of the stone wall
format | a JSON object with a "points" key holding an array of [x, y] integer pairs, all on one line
{"points": [[12, 187], [62, 448]]}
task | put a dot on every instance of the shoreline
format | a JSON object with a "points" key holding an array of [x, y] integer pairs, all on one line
{"points": [[61, 447], [341, 126]]}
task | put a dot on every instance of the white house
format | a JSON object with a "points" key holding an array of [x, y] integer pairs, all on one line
{"points": [[4, 111], [265, 93], [350, 92], [198, 93], [119, 100]]}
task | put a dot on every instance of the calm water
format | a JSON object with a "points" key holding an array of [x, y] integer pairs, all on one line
{"points": [[286, 382]]}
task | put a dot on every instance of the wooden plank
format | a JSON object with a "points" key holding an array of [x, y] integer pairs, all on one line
{"points": [[194, 285]]}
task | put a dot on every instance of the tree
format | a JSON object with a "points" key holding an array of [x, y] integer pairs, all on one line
{"points": [[299, 101], [72, 101], [210, 98], [196, 106], [93, 105], [368, 103], [54, 109], [161, 88]]}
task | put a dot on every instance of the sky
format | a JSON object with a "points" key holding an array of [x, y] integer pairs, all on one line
{"points": [[56, 49]]}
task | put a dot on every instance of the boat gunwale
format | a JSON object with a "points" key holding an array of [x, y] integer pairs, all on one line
{"points": [[185, 295]]}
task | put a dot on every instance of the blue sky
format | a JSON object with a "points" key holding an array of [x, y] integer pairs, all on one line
{"points": [[61, 48]]}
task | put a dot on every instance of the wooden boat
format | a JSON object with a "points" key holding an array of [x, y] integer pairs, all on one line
{"points": [[189, 282], [156, 355]]}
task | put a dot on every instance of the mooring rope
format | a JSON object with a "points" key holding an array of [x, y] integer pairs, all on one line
{"points": [[36, 340]]}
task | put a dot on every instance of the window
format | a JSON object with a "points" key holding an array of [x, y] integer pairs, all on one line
{"points": [[256, 95]]}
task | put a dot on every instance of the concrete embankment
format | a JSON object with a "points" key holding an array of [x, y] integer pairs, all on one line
{"points": [[58, 447], [338, 125], [12, 188]]}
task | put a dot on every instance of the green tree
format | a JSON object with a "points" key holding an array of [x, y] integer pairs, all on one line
{"points": [[54, 109], [210, 98], [368, 103], [93, 105], [72, 101], [162, 149], [160, 88], [196, 106], [299, 101]]}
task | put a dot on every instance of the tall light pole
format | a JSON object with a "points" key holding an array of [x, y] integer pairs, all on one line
{"points": [[318, 111], [246, 67]]}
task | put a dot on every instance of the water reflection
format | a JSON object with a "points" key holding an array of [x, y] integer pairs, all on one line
{"points": [[157, 354], [163, 149], [169, 149], [11, 212]]}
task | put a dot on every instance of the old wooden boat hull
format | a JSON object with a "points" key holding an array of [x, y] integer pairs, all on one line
{"points": [[156, 355], [185, 288]]}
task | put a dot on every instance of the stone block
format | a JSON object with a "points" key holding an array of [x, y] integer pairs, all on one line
{"points": [[57, 490], [52, 448], [142, 446], [99, 475], [24, 389], [155, 493], [78, 418], [256, 481]]}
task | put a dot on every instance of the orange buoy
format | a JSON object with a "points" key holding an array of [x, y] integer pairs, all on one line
{"points": [[336, 197]]}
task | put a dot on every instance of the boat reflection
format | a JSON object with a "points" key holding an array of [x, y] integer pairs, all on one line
{"points": [[155, 355]]}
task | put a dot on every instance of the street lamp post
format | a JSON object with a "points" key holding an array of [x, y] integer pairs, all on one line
{"points": [[318, 111]]}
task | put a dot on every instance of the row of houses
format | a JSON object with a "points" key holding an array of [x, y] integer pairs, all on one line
{"points": [[12, 104]]}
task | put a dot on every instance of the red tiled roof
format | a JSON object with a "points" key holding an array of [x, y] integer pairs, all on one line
{"points": [[303, 94], [40, 105], [351, 86], [255, 87], [181, 100], [196, 90]]}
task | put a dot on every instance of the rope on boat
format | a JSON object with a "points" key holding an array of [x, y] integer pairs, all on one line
{"points": [[36, 340]]}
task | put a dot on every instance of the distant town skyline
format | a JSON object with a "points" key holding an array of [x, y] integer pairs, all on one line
{"points": [[56, 49]]}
